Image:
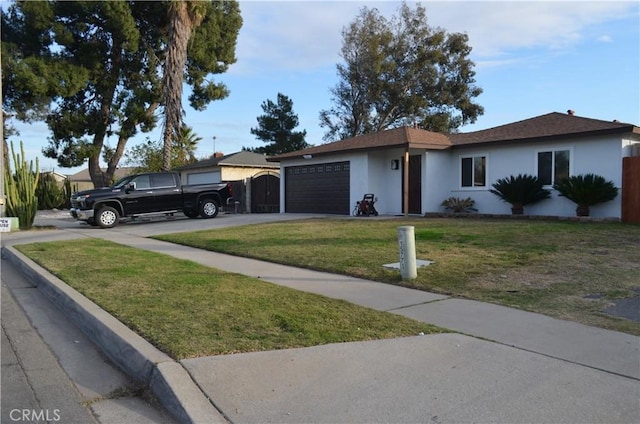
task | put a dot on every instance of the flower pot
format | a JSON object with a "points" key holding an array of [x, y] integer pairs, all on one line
{"points": [[582, 210]]}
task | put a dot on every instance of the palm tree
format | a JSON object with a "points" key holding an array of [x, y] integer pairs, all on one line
{"points": [[586, 190], [520, 191], [184, 17], [184, 146]]}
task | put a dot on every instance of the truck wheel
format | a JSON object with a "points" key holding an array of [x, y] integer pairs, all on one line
{"points": [[208, 208], [107, 217], [190, 214]]}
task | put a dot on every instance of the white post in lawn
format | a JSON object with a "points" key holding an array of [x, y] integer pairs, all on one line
{"points": [[407, 244]]}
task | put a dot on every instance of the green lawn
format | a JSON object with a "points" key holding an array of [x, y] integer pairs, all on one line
{"points": [[189, 310], [569, 270]]}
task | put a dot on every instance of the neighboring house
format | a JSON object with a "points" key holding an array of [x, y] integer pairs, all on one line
{"points": [[332, 177], [257, 186], [58, 177], [82, 180]]}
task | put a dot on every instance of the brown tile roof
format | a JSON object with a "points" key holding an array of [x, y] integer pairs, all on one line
{"points": [[544, 127], [396, 137], [549, 126]]}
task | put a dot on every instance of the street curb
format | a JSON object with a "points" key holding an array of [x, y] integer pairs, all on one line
{"points": [[167, 379]]}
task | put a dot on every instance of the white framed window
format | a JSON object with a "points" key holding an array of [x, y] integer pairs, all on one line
{"points": [[553, 165], [473, 171]]}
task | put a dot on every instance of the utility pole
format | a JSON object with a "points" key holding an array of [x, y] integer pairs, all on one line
{"points": [[214, 146]]}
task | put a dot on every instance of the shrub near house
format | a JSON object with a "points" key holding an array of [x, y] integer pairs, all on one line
{"points": [[520, 191], [458, 205], [586, 191]]}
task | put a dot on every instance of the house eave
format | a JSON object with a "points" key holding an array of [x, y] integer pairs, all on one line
{"points": [[553, 137], [303, 154]]}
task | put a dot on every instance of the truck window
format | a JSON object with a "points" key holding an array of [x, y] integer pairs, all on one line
{"points": [[142, 182], [163, 180]]}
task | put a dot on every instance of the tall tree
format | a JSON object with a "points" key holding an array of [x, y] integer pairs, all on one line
{"points": [[277, 126], [401, 72], [184, 17], [93, 70]]}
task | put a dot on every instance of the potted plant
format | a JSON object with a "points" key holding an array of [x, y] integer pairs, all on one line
{"points": [[586, 190], [520, 191]]}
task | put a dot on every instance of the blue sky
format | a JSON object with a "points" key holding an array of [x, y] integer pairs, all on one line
{"points": [[531, 58]]}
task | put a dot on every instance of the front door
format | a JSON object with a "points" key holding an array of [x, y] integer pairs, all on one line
{"points": [[415, 184]]}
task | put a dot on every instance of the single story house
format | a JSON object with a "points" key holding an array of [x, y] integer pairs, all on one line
{"points": [[332, 177], [57, 177], [232, 167], [82, 180], [256, 181]]}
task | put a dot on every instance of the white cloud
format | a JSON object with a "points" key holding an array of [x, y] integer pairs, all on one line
{"points": [[495, 27], [605, 38], [302, 35]]}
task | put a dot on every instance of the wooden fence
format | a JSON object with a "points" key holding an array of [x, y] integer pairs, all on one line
{"points": [[631, 189]]}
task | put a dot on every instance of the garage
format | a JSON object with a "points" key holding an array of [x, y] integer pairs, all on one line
{"points": [[203, 178], [319, 188]]}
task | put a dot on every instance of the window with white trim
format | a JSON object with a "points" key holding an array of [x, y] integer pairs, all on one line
{"points": [[553, 166], [473, 171]]}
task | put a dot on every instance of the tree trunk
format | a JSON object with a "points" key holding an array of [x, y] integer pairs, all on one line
{"points": [[179, 34], [517, 209]]}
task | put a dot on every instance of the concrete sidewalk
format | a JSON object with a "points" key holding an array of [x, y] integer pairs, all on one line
{"points": [[506, 366], [610, 351]]}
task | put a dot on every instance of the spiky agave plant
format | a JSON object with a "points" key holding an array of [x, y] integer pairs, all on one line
{"points": [[520, 191], [20, 189], [586, 190]]}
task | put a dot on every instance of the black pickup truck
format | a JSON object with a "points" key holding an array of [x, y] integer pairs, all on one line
{"points": [[148, 194]]}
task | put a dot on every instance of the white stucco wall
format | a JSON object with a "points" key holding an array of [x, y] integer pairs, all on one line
{"points": [[439, 177], [598, 155], [386, 183]]}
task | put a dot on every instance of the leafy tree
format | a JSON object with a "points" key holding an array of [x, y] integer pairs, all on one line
{"points": [[149, 156], [92, 70], [401, 72], [520, 191], [586, 190], [276, 127], [145, 157]]}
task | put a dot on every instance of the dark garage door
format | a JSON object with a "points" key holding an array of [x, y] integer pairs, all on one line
{"points": [[320, 188]]}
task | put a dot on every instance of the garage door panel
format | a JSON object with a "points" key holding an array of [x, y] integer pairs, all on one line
{"points": [[319, 188], [203, 178]]}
